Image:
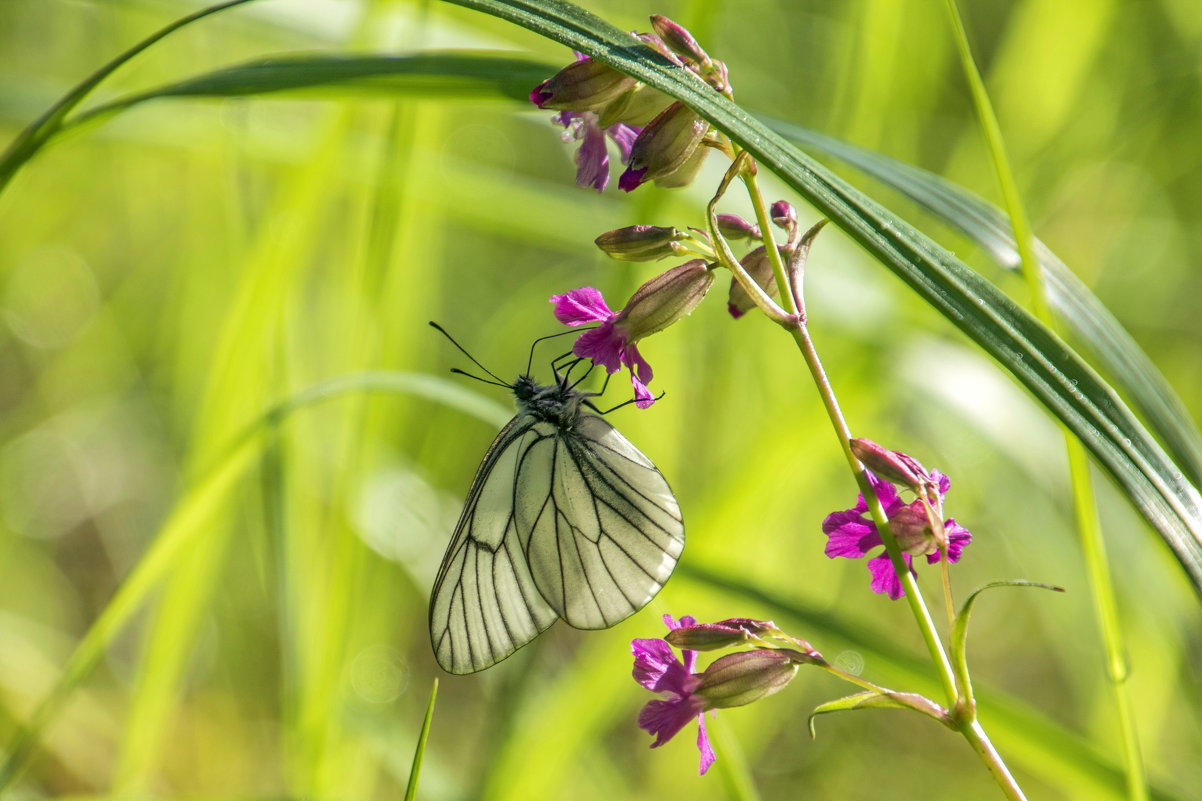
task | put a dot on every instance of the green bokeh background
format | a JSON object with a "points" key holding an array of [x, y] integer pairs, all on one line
{"points": [[169, 274]]}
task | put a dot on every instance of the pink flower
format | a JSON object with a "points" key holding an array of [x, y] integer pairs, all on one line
{"points": [[666, 298], [592, 158], [851, 533], [657, 668], [609, 344]]}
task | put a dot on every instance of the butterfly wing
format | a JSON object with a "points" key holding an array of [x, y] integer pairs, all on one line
{"points": [[484, 605], [602, 529]]}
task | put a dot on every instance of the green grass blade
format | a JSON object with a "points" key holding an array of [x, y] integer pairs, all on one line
{"points": [[420, 752], [442, 75], [43, 129], [1066, 385], [1119, 356], [190, 517]]}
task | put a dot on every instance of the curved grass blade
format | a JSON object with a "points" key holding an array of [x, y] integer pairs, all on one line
{"points": [[420, 751], [187, 522], [1120, 357], [1067, 386], [444, 75], [45, 127]]}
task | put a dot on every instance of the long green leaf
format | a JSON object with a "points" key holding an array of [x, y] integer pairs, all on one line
{"points": [[434, 74], [1067, 386], [44, 128], [1119, 355]]}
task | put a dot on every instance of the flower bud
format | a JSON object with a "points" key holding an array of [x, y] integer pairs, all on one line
{"points": [[724, 633], [784, 215], [912, 528], [758, 266], [665, 299], [640, 242], [664, 145], [680, 41], [739, 679], [587, 85], [734, 227], [893, 466], [687, 172]]}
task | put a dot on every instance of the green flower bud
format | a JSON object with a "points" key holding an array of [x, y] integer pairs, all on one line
{"points": [[734, 227], [724, 633], [664, 146], [759, 267], [587, 85], [738, 679], [893, 466], [665, 299], [640, 242], [680, 41]]}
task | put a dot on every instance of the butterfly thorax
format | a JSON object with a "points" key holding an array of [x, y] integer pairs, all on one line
{"points": [[556, 403]]}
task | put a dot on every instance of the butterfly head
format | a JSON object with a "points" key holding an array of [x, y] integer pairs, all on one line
{"points": [[556, 403]]}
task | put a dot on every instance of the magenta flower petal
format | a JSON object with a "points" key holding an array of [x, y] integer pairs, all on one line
{"points": [[848, 535], [884, 577], [604, 345], [657, 668], [703, 745], [540, 95], [665, 719], [581, 307], [631, 179], [957, 538], [640, 375]]}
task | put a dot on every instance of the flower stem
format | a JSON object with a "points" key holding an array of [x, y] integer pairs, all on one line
{"points": [[979, 740], [801, 336], [1089, 528]]}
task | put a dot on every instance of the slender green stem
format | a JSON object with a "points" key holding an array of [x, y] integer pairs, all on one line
{"points": [[420, 752], [764, 220], [979, 740], [1088, 525]]}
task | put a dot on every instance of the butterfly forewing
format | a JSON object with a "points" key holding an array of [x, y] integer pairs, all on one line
{"points": [[565, 518]]}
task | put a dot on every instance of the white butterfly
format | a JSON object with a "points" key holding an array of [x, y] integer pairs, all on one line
{"points": [[565, 519]]}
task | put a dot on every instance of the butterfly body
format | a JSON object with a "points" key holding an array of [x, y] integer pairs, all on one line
{"points": [[565, 518]]}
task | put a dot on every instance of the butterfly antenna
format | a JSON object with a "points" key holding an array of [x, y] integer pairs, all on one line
{"points": [[481, 379], [534, 344], [462, 350]]}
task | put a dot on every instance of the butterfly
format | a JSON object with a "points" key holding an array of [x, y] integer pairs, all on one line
{"points": [[565, 518]]}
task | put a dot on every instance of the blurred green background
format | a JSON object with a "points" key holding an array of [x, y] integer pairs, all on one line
{"points": [[168, 275]]}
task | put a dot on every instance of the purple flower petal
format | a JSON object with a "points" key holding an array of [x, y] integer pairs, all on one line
{"points": [[665, 719], [657, 668], [631, 179], [957, 538], [884, 577], [703, 745], [604, 345], [581, 307], [592, 161], [640, 375], [849, 536], [540, 95], [623, 136]]}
